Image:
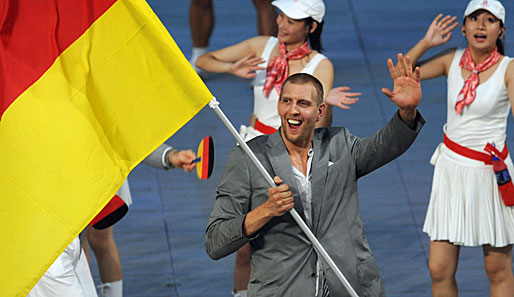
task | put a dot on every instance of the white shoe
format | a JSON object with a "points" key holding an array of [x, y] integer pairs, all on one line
{"points": [[111, 289], [243, 293], [197, 52]]}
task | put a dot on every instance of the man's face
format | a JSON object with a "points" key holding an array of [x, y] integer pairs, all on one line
{"points": [[299, 112]]}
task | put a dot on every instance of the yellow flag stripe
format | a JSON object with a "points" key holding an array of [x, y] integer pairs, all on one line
{"points": [[68, 142]]}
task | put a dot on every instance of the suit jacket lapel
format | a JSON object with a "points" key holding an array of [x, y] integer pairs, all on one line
{"points": [[279, 159], [319, 169]]}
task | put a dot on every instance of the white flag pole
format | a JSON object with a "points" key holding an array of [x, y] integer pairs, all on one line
{"points": [[214, 105]]}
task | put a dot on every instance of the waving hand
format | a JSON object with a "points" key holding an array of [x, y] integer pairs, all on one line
{"points": [[406, 92], [247, 66], [341, 97], [440, 30]]}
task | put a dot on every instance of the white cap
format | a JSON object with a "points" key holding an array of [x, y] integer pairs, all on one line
{"points": [[493, 6], [301, 9]]}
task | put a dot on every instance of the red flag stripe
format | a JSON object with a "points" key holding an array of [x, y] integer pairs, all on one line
{"points": [[48, 28]]}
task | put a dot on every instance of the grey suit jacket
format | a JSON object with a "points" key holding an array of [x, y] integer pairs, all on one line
{"points": [[283, 260], [157, 159]]}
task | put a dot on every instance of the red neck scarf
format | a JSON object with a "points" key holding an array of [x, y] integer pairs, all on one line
{"points": [[468, 92], [278, 68]]}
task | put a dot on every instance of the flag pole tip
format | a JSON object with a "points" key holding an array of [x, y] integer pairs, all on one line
{"points": [[213, 103]]}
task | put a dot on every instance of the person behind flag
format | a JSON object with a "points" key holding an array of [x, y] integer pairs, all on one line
{"points": [[80, 107], [70, 275], [466, 208], [297, 48], [201, 23], [316, 171]]}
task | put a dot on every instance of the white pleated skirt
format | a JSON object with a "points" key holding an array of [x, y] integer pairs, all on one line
{"points": [[124, 193], [465, 205]]}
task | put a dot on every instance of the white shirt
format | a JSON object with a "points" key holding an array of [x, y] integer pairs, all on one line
{"points": [[304, 188]]}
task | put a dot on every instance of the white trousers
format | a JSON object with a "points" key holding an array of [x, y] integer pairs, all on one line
{"points": [[68, 276]]}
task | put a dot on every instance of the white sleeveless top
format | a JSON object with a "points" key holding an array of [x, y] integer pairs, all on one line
{"points": [[485, 119], [266, 107]]}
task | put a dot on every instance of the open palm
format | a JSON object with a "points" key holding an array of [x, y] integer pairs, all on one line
{"points": [[247, 66], [406, 92], [440, 30]]}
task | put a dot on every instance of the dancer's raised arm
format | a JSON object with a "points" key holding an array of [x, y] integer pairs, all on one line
{"points": [[438, 33]]}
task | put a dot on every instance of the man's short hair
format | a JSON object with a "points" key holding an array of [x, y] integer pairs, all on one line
{"points": [[304, 78]]}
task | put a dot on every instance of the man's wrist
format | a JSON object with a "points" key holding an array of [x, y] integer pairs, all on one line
{"points": [[255, 220], [408, 116], [166, 158]]}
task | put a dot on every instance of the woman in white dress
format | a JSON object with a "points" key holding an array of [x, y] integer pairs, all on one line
{"points": [[466, 207], [269, 61]]}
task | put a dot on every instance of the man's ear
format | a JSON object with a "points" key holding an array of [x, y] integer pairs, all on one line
{"points": [[321, 111]]}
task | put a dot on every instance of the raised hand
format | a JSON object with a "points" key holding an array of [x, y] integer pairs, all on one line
{"points": [[406, 92], [247, 66], [341, 98], [439, 31]]}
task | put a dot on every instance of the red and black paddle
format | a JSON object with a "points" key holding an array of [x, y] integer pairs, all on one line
{"points": [[205, 158], [117, 208]]}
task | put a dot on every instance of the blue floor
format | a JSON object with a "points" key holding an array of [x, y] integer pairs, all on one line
{"points": [[161, 240]]}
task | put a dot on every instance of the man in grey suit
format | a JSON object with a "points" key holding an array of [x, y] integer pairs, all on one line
{"points": [[316, 171]]}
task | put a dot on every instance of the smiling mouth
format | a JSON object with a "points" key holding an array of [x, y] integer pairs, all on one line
{"points": [[293, 123]]}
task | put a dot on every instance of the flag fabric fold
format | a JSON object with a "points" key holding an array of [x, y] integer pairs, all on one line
{"points": [[88, 88]]}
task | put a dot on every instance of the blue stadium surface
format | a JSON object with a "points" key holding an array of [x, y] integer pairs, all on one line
{"points": [[161, 240]]}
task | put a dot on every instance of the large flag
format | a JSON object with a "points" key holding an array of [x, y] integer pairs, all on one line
{"points": [[88, 88]]}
